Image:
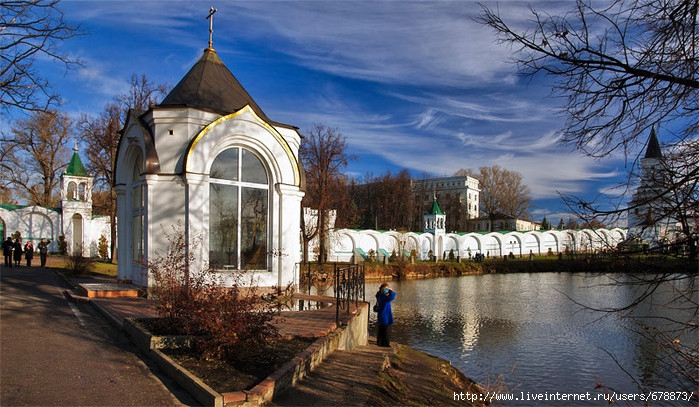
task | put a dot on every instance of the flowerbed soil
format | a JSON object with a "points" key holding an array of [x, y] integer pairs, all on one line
{"points": [[247, 366], [162, 326], [245, 370]]}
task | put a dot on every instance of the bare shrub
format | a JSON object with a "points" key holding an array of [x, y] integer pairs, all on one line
{"points": [[226, 318], [79, 264]]}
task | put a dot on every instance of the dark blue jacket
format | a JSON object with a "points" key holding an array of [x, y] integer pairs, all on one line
{"points": [[385, 314]]}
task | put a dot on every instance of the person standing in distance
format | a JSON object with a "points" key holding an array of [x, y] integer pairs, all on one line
{"points": [[7, 251], [43, 247], [29, 252], [384, 319], [17, 251]]}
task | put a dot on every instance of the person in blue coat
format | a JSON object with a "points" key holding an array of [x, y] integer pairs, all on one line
{"points": [[384, 319]]}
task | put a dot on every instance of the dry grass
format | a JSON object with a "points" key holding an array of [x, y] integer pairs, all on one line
{"points": [[99, 267], [418, 379]]}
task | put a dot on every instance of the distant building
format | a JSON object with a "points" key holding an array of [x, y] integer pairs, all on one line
{"points": [[73, 220], [459, 198], [504, 223]]}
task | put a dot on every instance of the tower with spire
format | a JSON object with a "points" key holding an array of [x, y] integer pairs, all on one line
{"points": [[76, 183], [648, 219], [434, 222], [434, 219], [76, 203]]}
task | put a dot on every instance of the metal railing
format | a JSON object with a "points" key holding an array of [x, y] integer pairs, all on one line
{"points": [[349, 287]]}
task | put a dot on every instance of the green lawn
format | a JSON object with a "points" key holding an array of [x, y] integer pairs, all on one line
{"points": [[107, 269], [97, 267]]}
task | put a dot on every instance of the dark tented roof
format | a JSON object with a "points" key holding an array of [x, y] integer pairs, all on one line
{"points": [[209, 85], [653, 149]]}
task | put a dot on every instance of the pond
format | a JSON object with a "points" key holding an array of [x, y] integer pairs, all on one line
{"points": [[525, 334]]}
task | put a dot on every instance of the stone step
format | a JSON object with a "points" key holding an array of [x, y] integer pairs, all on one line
{"points": [[345, 378], [107, 290]]}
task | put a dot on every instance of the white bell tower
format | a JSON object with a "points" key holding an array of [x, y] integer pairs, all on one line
{"points": [[76, 204], [434, 222]]}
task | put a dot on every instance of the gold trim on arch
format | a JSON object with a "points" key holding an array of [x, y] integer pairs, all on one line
{"points": [[277, 135]]}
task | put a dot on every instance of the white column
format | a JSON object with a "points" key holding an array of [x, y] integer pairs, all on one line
{"points": [[124, 252], [288, 238]]}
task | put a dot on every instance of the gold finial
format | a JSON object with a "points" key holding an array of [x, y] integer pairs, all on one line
{"points": [[210, 17]]}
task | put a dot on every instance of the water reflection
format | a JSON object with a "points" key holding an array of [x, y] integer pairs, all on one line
{"points": [[528, 329]]}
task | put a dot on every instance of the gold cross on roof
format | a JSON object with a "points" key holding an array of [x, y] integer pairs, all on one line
{"points": [[210, 17]]}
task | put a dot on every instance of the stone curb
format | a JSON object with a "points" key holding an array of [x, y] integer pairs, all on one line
{"points": [[264, 392], [279, 381], [189, 382]]}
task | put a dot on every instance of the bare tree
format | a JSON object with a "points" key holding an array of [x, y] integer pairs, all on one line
{"points": [[100, 135], [5, 192], [142, 94], [384, 202], [32, 161], [30, 30], [624, 68], [502, 192], [621, 69], [396, 200], [423, 197], [323, 153]]}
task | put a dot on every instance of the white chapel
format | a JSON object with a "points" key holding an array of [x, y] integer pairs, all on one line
{"points": [[209, 161]]}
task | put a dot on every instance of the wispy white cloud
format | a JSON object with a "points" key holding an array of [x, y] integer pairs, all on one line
{"points": [[411, 84], [97, 80], [428, 119], [388, 42]]}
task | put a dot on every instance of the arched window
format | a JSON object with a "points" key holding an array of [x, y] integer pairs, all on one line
{"points": [[82, 188], [238, 211], [72, 190]]}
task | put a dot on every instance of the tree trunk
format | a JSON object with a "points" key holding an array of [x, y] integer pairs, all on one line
{"points": [[321, 236], [305, 249]]}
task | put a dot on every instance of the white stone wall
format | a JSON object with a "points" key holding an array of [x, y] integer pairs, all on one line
{"points": [[36, 222], [347, 244]]}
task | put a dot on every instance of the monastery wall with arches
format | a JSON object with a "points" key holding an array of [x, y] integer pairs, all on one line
{"points": [[350, 245]]}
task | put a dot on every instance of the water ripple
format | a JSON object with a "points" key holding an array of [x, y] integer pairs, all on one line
{"points": [[523, 328]]}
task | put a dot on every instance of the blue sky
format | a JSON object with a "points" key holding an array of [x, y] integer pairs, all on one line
{"points": [[410, 84]]}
